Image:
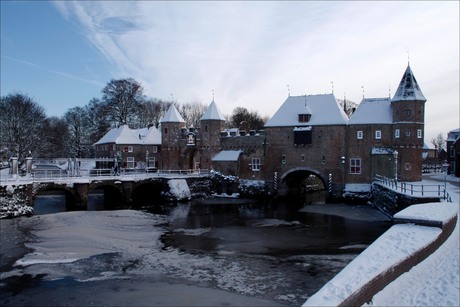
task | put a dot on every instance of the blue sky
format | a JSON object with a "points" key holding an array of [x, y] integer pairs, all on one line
{"points": [[249, 53]]}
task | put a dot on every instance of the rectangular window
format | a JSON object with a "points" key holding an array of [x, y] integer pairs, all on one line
{"points": [[419, 133], [304, 118], [130, 148], [302, 136], [359, 135], [378, 134], [355, 166], [302, 158], [397, 133], [130, 162], [452, 151], [155, 149], [114, 147], [255, 164]]}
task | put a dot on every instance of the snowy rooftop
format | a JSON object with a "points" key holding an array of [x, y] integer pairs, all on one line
{"points": [[372, 111], [152, 137], [212, 113], [324, 110], [227, 155], [120, 135], [172, 116], [408, 88]]}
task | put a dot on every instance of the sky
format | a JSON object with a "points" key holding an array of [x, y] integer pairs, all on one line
{"points": [[244, 54]]}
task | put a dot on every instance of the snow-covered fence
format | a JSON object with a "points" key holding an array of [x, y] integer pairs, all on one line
{"points": [[429, 190]]}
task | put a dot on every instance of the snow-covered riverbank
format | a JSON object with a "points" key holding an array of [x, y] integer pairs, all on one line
{"points": [[433, 282]]}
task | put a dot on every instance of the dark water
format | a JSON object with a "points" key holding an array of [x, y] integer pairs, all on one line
{"points": [[278, 251]]}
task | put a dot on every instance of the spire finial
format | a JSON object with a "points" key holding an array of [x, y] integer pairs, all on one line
{"points": [[305, 100], [389, 91], [408, 59], [332, 82], [289, 90], [362, 87], [212, 95]]}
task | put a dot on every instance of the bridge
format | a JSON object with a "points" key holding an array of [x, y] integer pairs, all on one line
{"points": [[123, 190], [392, 196]]}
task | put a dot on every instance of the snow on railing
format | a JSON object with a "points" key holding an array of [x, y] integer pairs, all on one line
{"points": [[438, 190], [53, 175]]}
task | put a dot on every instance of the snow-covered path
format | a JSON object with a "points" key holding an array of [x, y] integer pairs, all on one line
{"points": [[435, 281]]}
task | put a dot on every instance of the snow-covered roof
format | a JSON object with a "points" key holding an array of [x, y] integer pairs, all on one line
{"points": [[212, 113], [153, 137], [453, 135], [120, 135], [383, 151], [408, 88], [324, 110], [372, 111], [172, 116], [227, 155]]}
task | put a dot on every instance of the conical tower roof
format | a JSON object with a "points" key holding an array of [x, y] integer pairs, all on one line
{"points": [[212, 113], [172, 116], [408, 88]]}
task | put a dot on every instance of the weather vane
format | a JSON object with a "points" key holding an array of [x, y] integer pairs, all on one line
{"points": [[289, 90], [362, 86], [332, 83], [212, 95]]}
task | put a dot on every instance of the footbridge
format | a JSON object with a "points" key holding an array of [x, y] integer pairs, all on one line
{"points": [[120, 190]]}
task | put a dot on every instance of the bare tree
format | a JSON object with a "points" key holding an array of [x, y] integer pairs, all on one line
{"points": [[439, 143], [57, 135], [192, 113], [253, 118], [151, 111], [21, 126], [121, 100], [79, 129]]}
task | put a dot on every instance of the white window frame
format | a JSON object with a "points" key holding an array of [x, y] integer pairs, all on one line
{"points": [[359, 134], [397, 133], [355, 166], [130, 162], [378, 134], [130, 148], [255, 165], [419, 133], [155, 149]]}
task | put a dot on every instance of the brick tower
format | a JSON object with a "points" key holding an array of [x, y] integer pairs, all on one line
{"points": [[408, 110], [171, 125], [212, 123]]}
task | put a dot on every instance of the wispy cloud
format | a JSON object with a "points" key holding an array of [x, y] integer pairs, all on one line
{"points": [[248, 51], [51, 71]]}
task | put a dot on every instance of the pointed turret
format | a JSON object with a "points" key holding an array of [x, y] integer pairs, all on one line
{"points": [[408, 88], [408, 112], [212, 123], [172, 116], [212, 113]]}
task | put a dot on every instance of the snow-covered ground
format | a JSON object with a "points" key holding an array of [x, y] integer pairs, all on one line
{"points": [[433, 282]]}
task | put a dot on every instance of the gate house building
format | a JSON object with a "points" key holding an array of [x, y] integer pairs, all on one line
{"points": [[308, 135]]}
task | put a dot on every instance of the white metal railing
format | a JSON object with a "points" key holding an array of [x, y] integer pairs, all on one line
{"points": [[56, 175], [437, 190]]}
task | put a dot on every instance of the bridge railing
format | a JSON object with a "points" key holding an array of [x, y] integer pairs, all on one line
{"points": [[438, 190], [56, 175]]}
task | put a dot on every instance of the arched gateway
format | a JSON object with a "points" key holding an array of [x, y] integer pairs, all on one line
{"points": [[301, 180]]}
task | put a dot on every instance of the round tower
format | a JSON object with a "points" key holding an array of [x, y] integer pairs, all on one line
{"points": [[212, 123], [171, 124], [408, 111]]}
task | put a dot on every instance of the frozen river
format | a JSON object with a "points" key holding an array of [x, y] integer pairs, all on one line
{"points": [[206, 252]]}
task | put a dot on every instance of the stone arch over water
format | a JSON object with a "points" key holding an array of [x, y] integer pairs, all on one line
{"points": [[301, 180]]}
